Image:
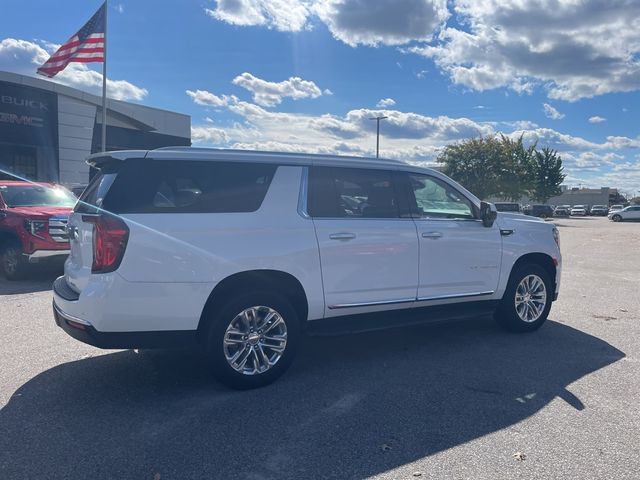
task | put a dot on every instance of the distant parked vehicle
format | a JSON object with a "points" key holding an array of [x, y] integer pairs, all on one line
{"points": [[33, 225], [579, 211], [599, 210], [541, 211], [630, 213], [615, 208], [561, 211], [508, 207]]}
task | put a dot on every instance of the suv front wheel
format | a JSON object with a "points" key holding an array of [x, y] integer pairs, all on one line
{"points": [[527, 300], [253, 339]]}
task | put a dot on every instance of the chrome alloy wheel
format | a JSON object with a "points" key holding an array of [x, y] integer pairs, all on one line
{"points": [[255, 340], [530, 298]]}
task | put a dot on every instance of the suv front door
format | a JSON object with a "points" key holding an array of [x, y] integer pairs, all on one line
{"points": [[459, 256], [368, 251]]}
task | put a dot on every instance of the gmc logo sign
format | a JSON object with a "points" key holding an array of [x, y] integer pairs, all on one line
{"points": [[26, 120]]}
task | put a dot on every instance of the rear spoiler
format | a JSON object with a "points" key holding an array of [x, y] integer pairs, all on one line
{"points": [[103, 159]]}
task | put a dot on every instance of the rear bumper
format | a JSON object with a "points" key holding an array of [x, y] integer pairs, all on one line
{"points": [[38, 255], [82, 329], [85, 332]]}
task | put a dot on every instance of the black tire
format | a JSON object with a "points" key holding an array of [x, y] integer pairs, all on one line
{"points": [[616, 218], [506, 314], [14, 265], [220, 320]]}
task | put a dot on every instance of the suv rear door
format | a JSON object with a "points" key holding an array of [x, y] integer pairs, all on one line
{"points": [[459, 256], [368, 251]]}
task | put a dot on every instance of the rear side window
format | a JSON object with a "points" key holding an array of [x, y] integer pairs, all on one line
{"points": [[93, 195], [352, 193], [148, 186]]}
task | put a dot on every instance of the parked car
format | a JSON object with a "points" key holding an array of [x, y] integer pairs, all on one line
{"points": [[33, 220], [561, 211], [240, 251], [508, 207], [542, 211], [579, 211], [631, 212], [599, 210], [615, 208]]}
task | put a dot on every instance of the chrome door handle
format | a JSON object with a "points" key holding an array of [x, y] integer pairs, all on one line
{"points": [[431, 235], [342, 236]]}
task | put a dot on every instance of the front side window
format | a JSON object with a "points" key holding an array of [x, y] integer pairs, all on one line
{"points": [[336, 192], [433, 198]]}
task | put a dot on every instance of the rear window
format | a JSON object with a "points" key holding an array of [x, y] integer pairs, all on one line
{"points": [[148, 186], [92, 197]]}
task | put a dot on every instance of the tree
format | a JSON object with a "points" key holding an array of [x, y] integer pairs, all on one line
{"points": [[547, 175], [490, 166], [517, 169]]}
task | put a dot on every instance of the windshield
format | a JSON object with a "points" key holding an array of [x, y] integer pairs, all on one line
{"points": [[37, 196]]}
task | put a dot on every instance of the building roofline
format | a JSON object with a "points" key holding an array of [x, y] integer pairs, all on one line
{"points": [[118, 106]]}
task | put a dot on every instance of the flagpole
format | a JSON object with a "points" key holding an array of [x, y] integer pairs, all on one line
{"points": [[104, 83]]}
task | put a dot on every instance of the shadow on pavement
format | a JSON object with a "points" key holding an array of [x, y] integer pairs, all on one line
{"points": [[416, 390], [38, 279]]}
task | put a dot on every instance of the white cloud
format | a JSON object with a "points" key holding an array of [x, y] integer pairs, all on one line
{"points": [[422, 74], [387, 22], [24, 57], [354, 22], [551, 112], [573, 49], [597, 119], [386, 103], [209, 135], [202, 97], [119, 8], [269, 94], [283, 15]]}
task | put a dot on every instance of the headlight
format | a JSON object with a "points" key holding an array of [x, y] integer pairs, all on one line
{"points": [[556, 236], [37, 228]]}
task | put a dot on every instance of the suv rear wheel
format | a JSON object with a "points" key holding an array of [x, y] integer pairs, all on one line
{"points": [[14, 265], [253, 339], [527, 300]]}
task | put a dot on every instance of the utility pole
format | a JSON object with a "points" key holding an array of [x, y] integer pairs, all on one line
{"points": [[377, 119]]}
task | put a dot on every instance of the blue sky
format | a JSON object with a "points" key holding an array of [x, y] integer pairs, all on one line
{"points": [[306, 74]]}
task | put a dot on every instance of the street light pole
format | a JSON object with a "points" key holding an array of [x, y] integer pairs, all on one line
{"points": [[377, 119]]}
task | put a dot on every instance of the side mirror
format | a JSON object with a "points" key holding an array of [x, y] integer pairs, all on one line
{"points": [[488, 213]]}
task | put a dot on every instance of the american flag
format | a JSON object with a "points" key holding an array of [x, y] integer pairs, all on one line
{"points": [[85, 46]]}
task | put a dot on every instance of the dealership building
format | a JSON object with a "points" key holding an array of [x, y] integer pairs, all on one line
{"points": [[47, 130]]}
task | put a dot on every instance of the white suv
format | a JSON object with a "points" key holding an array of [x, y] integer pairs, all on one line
{"points": [[629, 213], [240, 252]]}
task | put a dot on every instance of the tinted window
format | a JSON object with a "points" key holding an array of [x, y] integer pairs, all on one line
{"points": [[148, 186], [352, 192], [93, 195], [433, 198]]}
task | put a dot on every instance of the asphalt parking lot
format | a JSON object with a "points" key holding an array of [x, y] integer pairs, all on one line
{"points": [[457, 401]]}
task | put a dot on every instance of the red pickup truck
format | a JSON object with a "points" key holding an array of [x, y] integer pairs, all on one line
{"points": [[33, 225]]}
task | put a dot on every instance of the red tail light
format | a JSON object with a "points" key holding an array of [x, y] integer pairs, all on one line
{"points": [[110, 236]]}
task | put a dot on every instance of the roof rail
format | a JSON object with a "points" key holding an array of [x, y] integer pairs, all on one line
{"points": [[268, 152]]}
